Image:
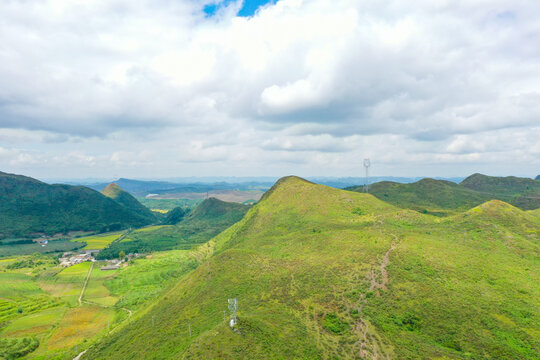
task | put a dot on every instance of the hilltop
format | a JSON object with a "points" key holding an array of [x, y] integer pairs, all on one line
{"points": [[208, 219], [125, 199], [440, 197], [323, 273], [29, 207]]}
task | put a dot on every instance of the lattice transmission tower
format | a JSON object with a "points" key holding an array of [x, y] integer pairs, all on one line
{"points": [[367, 164], [233, 307]]}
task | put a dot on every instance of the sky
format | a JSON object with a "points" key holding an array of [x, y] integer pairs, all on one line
{"points": [[173, 88]]}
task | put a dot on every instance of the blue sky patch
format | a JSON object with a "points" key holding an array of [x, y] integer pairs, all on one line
{"points": [[248, 9]]}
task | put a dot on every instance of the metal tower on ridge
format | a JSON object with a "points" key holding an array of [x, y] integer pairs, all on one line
{"points": [[367, 164], [233, 307]]}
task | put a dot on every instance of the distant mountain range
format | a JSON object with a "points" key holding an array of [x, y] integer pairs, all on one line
{"points": [[30, 208], [141, 188]]}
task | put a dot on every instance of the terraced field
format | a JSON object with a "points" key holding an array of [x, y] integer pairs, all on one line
{"points": [[39, 309]]}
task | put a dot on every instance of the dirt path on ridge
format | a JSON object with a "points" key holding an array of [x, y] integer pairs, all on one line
{"points": [[369, 345], [384, 273]]}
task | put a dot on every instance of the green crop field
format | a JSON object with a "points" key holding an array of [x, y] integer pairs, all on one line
{"points": [[144, 279], [98, 242], [150, 228], [39, 299], [54, 246]]}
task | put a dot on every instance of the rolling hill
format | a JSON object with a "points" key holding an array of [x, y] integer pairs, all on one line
{"points": [[322, 273], [521, 192], [125, 199], [440, 197], [208, 219], [504, 186], [29, 207], [427, 195], [176, 215]]}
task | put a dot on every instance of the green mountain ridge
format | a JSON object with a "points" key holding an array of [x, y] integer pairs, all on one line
{"points": [[322, 273], [125, 199], [428, 195], [440, 197], [207, 220], [29, 207], [509, 185]]}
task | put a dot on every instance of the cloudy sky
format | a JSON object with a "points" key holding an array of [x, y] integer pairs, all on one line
{"points": [[170, 88]]}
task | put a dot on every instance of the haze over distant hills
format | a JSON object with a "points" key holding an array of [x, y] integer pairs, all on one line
{"points": [[186, 187]]}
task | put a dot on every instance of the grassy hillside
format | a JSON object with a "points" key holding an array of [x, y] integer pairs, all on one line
{"points": [[29, 207], [322, 273], [125, 199], [440, 197], [208, 219], [427, 195]]}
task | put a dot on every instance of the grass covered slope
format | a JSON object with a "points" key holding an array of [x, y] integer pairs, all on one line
{"points": [[29, 207], [125, 199], [427, 195], [208, 219], [322, 273]]}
